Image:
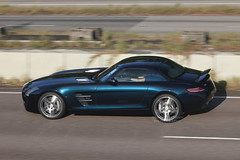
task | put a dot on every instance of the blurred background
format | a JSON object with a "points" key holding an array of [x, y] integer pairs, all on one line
{"points": [[40, 37]]}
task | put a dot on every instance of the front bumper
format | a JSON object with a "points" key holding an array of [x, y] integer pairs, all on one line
{"points": [[30, 101]]}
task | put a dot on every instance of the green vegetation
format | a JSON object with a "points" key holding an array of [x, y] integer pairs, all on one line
{"points": [[35, 32], [120, 10], [226, 41], [13, 81], [45, 43], [122, 46], [233, 83], [42, 43], [125, 42]]}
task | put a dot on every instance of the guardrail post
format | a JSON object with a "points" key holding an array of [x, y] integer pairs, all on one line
{"points": [[3, 31]]}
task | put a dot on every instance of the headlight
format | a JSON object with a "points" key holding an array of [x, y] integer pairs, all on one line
{"points": [[31, 91]]}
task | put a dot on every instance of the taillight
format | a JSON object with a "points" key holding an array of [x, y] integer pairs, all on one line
{"points": [[198, 89]]}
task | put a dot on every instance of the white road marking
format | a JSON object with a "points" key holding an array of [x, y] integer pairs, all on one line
{"points": [[227, 97], [202, 138], [45, 25], [10, 92], [233, 26]]}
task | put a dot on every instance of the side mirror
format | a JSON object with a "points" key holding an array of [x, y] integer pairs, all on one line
{"points": [[112, 80]]}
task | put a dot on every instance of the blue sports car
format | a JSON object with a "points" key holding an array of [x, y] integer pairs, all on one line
{"points": [[136, 83]]}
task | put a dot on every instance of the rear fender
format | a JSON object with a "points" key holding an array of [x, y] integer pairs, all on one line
{"points": [[171, 93]]}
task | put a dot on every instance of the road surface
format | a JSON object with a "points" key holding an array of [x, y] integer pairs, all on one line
{"points": [[97, 136], [142, 24], [84, 3]]}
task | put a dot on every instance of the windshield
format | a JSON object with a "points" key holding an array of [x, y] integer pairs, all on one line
{"points": [[105, 72], [171, 69]]}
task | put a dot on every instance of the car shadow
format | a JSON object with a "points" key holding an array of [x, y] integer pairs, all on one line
{"points": [[220, 96], [127, 113]]}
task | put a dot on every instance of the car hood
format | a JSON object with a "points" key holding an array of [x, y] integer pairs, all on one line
{"points": [[67, 77], [85, 70]]}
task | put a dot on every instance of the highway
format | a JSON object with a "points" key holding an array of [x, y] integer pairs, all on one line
{"points": [[142, 24], [116, 135], [83, 3]]}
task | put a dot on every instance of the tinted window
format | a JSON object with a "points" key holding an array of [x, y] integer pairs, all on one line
{"points": [[171, 69], [156, 76], [132, 75]]}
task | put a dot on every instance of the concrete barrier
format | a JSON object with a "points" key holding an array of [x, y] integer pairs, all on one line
{"points": [[3, 31], [86, 34], [38, 63], [198, 37]]}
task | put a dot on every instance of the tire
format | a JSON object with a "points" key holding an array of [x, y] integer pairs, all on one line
{"points": [[167, 108], [51, 106]]}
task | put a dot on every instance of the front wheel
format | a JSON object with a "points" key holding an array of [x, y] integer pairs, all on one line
{"points": [[167, 108], [51, 105]]}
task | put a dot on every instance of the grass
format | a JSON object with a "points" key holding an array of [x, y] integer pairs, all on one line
{"points": [[179, 47], [35, 32], [226, 41], [121, 10], [233, 83], [45, 43], [226, 46], [122, 46], [125, 41], [129, 36], [13, 81]]}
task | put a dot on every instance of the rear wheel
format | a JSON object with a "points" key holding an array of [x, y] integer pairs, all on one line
{"points": [[167, 108], [51, 105]]}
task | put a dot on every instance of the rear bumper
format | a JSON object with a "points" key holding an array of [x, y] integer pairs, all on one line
{"points": [[209, 98], [194, 102]]}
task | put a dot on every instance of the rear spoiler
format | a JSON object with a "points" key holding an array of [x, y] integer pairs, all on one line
{"points": [[203, 76]]}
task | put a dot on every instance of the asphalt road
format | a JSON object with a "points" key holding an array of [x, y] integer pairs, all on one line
{"points": [[143, 24], [83, 3], [108, 136]]}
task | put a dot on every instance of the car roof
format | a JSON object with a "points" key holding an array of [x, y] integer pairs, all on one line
{"points": [[143, 59]]}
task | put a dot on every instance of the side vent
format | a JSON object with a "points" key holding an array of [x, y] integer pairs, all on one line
{"points": [[84, 99]]}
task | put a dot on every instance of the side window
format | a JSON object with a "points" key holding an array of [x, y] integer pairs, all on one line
{"points": [[132, 75], [156, 76]]}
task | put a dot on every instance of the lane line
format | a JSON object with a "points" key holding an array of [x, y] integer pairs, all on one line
{"points": [[32, 25], [202, 138], [10, 92], [227, 97]]}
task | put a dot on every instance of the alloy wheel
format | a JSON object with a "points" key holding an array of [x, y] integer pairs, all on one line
{"points": [[167, 108], [51, 106]]}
